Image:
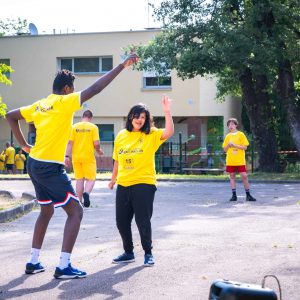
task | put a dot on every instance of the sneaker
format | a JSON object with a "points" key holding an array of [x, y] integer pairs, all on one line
{"points": [[233, 198], [124, 258], [34, 268], [68, 273], [86, 199], [149, 260], [250, 198]]}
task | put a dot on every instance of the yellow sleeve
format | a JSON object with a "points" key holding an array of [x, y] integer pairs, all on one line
{"points": [[157, 140], [27, 111], [96, 136], [72, 102], [225, 143], [244, 140], [72, 136]]}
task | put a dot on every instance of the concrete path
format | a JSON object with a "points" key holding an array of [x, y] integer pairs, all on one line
{"points": [[198, 236]]}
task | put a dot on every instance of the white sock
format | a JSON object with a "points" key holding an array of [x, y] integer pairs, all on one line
{"points": [[64, 260], [35, 255]]}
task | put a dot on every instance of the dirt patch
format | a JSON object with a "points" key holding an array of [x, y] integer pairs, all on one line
{"points": [[7, 203]]}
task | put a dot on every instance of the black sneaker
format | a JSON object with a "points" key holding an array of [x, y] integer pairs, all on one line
{"points": [[233, 198], [86, 199], [34, 268], [149, 260], [68, 273], [250, 198], [124, 258]]}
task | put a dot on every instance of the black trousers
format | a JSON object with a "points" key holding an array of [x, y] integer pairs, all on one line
{"points": [[136, 200]]}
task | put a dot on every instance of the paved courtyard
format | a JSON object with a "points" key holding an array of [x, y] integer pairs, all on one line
{"points": [[198, 236]]}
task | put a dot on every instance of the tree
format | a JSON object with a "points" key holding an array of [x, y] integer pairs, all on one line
{"points": [[4, 70], [13, 27], [233, 40]]}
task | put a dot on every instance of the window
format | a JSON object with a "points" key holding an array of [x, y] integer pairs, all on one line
{"points": [[152, 80], [106, 132], [5, 61], [86, 65]]}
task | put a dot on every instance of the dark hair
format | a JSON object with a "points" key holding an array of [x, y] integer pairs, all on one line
{"points": [[87, 114], [63, 78], [134, 113], [233, 120]]}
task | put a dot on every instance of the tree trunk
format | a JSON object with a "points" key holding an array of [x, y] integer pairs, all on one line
{"points": [[256, 101], [288, 97]]}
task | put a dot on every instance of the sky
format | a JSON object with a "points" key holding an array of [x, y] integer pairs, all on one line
{"points": [[66, 16]]}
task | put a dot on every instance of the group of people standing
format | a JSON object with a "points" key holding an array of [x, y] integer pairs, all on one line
{"points": [[10, 162], [57, 141]]}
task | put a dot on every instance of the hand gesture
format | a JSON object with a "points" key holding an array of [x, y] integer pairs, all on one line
{"points": [[111, 184], [131, 59], [166, 103]]}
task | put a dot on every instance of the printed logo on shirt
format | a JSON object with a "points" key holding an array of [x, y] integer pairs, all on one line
{"points": [[129, 151], [83, 130], [44, 109]]}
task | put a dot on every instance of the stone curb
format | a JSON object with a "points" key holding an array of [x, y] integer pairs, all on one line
{"points": [[13, 213]]}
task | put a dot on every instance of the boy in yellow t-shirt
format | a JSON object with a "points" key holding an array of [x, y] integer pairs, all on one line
{"points": [[234, 145], [2, 162], [52, 118], [83, 142], [10, 158], [20, 162]]}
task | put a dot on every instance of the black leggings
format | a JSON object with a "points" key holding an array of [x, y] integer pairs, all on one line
{"points": [[135, 200]]}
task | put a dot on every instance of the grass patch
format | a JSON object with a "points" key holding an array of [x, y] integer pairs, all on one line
{"points": [[8, 203]]}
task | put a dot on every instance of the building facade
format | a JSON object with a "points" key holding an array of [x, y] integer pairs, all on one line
{"points": [[36, 59]]}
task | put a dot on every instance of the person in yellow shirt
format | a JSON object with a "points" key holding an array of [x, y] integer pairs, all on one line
{"points": [[20, 162], [134, 172], [2, 162], [83, 142], [52, 118], [235, 145], [10, 158]]}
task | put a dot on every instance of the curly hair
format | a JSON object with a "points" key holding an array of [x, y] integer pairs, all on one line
{"points": [[63, 78]]}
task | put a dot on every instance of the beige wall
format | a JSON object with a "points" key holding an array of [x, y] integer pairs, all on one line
{"points": [[34, 59]]}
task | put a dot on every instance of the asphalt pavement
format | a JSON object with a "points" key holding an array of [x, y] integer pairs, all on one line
{"points": [[198, 236]]}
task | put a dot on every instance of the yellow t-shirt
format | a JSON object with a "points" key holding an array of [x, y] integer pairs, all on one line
{"points": [[83, 136], [135, 153], [234, 156], [2, 160], [19, 159], [52, 118], [10, 153]]}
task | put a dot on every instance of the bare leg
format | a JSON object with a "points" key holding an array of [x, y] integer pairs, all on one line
{"points": [[232, 181], [89, 184], [75, 212], [245, 180], [79, 188], [41, 225]]}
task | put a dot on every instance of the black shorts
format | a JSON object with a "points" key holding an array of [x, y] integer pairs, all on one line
{"points": [[51, 182], [9, 166]]}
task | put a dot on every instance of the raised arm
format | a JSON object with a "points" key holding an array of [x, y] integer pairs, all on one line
{"points": [[105, 80], [13, 118], [169, 125]]}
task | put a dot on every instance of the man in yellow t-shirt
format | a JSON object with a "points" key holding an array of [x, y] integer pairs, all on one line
{"points": [[52, 118], [83, 141], [2, 162], [235, 145], [10, 158], [20, 162]]}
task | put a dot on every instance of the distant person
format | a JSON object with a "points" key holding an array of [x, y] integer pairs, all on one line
{"points": [[2, 162], [83, 142], [134, 172], [10, 158], [52, 118], [235, 145], [20, 162]]}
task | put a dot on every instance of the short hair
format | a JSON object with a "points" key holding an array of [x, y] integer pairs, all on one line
{"points": [[233, 120], [134, 113], [63, 77], [87, 114]]}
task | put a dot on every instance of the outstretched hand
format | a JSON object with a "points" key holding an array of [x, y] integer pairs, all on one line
{"points": [[166, 103], [131, 59]]}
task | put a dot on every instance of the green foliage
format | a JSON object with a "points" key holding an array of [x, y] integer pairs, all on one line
{"points": [[4, 71], [13, 27]]}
